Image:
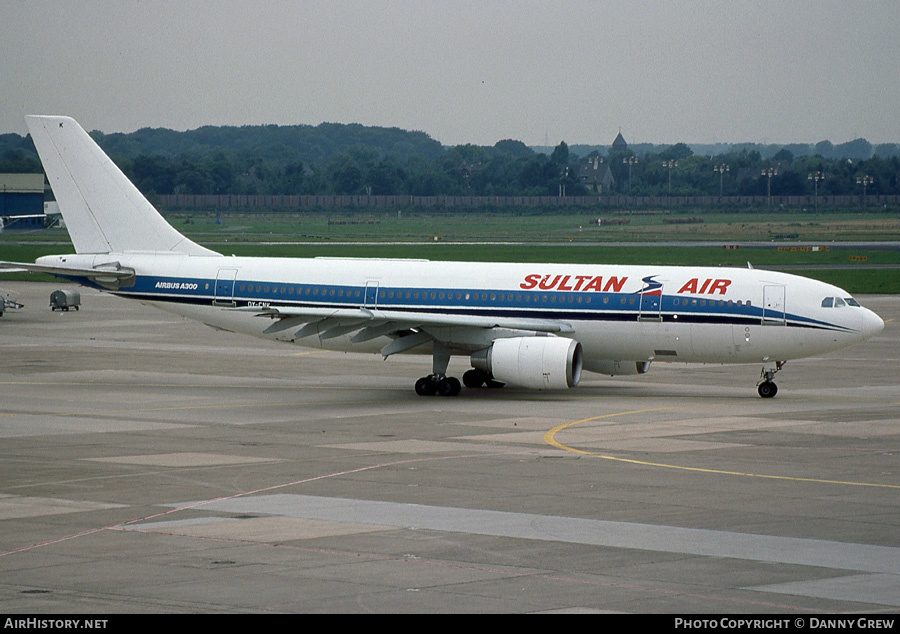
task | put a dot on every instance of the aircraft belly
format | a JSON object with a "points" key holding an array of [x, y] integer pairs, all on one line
{"points": [[636, 341], [712, 342]]}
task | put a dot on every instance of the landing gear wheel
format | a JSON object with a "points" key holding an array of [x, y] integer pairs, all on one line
{"points": [[448, 386], [480, 378], [444, 386], [426, 386], [767, 389], [475, 378]]}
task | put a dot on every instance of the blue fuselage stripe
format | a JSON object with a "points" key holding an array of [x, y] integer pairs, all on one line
{"points": [[571, 305]]}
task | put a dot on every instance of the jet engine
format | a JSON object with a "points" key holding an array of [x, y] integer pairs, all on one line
{"points": [[541, 363], [616, 368]]}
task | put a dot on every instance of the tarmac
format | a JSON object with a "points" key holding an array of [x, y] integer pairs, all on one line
{"points": [[149, 464]]}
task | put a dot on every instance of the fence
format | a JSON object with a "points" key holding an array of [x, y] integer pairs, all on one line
{"points": [[239, 201]]}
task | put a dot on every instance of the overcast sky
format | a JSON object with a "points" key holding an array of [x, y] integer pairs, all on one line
{"points": [[692, 71]]}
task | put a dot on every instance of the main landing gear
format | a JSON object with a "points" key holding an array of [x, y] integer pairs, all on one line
{"points": [[434, 384], [439, 383], [480, 378], [766, 387], [450, 386]]}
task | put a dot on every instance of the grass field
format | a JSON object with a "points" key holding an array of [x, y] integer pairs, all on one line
{"points": [[566, 238], [363, 225]]}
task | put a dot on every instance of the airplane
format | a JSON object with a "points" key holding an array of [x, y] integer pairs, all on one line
{"points": [[536, 326], [27, 222]]}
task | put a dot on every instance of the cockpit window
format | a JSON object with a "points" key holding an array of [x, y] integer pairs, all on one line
{"points": [[837, 302]]}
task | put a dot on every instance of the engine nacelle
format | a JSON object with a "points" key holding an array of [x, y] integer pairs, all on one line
{"points": [[538, 363], [614, 368]]}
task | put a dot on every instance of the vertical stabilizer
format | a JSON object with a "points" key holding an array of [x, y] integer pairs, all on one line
{"points": [[103, 210]]}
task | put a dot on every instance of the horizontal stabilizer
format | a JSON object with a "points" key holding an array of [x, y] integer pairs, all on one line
{"points": [[111, 276]]}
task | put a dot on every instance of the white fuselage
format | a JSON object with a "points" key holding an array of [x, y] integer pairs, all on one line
{"points": [[617, 313]]}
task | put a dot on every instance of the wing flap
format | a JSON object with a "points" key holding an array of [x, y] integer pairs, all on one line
{"points": [[408, 319]]}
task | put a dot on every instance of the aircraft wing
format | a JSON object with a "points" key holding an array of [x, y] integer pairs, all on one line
{"points": [[408, 328]]}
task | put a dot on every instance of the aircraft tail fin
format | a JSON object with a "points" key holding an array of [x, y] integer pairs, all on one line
{"points": [[103, 210]]}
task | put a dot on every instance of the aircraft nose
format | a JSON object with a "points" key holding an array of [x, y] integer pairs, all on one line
{"points": [[872, 324]]}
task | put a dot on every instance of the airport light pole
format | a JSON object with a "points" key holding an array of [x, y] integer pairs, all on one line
{"points": [[631, 160], [864, 180], [816, 177], [769, 172], [671, 163], [721, 169]]}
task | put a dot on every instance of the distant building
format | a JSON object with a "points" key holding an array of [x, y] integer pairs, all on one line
{"points": [[619, 143], [22, 195], [596, 175]]}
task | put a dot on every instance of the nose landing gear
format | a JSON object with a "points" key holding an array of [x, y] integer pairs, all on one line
{"points": [[766, 387]]}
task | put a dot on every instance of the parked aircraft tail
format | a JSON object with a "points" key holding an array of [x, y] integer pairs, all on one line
{"points": [[104, 212]]}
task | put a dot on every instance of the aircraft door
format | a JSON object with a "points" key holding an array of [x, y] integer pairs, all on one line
{"points": [[773, 305], [370, 299], [224, 295], [650, 308]]}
